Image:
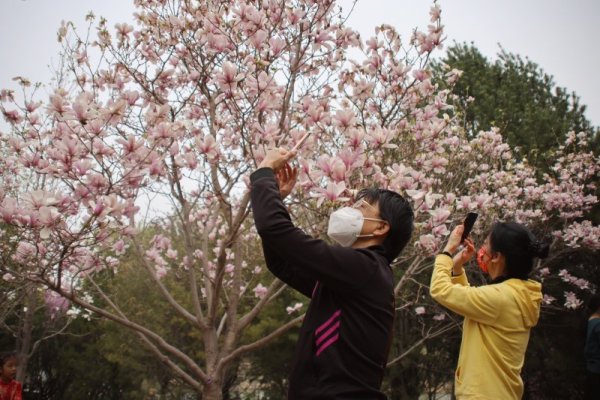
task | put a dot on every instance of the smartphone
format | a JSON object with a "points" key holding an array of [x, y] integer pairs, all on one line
{"points": [[468, 223], [297, 146]]}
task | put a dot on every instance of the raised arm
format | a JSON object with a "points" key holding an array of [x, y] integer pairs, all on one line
{"points": [[450, 288], [481, 304], [338, 267], [287, 272]]}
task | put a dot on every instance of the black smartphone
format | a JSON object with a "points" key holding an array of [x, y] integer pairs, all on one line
{"points": [[468, 223]]}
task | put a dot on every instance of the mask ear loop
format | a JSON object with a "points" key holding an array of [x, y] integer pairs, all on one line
{"points": [[375, 219], [372, 219]]}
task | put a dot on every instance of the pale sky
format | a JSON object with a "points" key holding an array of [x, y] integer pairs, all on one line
{"points": [[559, 35]]}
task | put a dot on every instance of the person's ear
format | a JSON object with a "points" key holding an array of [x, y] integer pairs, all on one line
{"points": [[382, 229], [497, 258]]}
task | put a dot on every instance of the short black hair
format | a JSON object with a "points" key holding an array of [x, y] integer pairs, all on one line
{"points": [[5, 356], [594, 303], [519, 247], [397, 212]]}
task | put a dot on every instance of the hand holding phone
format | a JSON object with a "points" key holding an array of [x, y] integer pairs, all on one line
{"points": [[468, 224]]}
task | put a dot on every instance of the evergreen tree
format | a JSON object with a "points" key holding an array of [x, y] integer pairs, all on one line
{"points": [[517, 96]]}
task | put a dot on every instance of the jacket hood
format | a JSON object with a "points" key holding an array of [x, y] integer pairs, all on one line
{"points": [[529, 298]]}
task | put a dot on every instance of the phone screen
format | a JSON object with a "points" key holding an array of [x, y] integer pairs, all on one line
{"points": [[468, 223]]}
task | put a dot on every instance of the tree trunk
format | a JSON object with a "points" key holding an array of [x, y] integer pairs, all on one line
{"points": [[213, 391], [24, 339]]}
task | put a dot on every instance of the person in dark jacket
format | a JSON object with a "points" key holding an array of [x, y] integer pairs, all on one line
{"points": [[345, 338], [592, 350]]}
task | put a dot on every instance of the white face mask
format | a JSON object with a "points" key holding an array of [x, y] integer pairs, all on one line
{"points": [[345, 225]]}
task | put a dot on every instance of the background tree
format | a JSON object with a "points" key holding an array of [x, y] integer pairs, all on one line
{"points": [[80, 365], [517, 96], [28, 317]]}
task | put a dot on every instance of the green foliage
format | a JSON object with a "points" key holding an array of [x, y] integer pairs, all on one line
{"points": [[76, 366], [99, 359], [270, 367], [517, 96]]}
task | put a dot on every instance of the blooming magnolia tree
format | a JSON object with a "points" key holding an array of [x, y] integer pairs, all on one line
{"points": [[182, 108]]}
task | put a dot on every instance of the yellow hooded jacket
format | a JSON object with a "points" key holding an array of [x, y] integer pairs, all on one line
{"points": [[498, 319]]}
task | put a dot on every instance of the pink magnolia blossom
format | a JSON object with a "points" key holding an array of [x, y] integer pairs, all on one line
{"points": [[332, 192], [380, 138], [544, 272], [260, 291], [12, 116], [547, 299], [161, 271], [440, 230], [571, 301], [435, 13], [276, 45], [583, 233], [208, 146], [229, 78], [439, 216], [416, 194], [429, 243], [40, 198], [171, 254], [25, 251], [56, 304], [345, 119], [294, 308], [9, 210], [258, 38], [123, 30], [119, 247]]}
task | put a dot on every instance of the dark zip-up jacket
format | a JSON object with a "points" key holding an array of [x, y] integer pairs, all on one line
{"points": [[344, 339]]}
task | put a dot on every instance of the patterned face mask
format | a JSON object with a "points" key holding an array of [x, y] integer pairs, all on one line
{"points": [[483, 265]]}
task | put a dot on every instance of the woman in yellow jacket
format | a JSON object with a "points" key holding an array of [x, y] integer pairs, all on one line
{"points": [[498, 316]]}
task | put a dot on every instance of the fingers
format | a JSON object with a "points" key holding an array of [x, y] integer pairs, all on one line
{"points": [[454, 239], [280, 177], [285, 153], [469, 244], [289, 155], [281, 157], [469, 250], [459, 229], [287, 175], [291, 173], [457, 232], [277, 159], [286, 172]]}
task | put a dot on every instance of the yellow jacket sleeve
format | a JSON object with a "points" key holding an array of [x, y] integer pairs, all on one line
{"points": [[460, 279], [482, 304]]}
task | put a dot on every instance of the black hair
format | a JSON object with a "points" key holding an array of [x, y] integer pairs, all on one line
{"points": [[594, 304], [5, 356], [397, 212], [519, 247]]}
